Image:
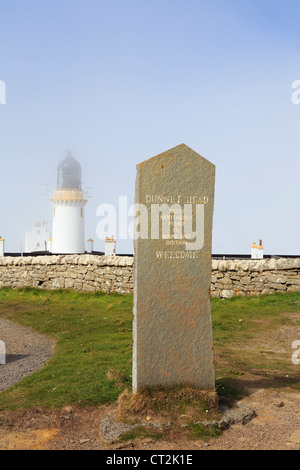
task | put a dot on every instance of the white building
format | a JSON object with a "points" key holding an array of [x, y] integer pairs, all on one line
{"points": [[68, 209], [257, 251], [36, 239], [110, 246]]}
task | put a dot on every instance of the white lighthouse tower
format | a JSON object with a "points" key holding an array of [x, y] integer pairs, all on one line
{"points": [[68, 209]]}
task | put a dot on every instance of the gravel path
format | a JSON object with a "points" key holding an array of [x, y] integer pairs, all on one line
{"points": [[275, 426], [26, 352]]}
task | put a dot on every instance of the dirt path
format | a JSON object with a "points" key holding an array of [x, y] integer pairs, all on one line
{"points": [[276, 426], [26, 352]]}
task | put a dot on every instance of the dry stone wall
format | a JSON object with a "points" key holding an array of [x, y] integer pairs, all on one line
{"points": [[88, 273], [254, 277]]}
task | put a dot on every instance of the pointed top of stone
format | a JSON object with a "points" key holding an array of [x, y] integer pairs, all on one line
{"points": [[181, 149]]}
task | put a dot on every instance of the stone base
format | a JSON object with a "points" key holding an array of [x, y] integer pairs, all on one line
{"points": [[166, 401]]}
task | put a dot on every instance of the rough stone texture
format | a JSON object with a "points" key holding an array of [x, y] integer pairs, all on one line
{"points": [[172, 317], [111, 428], [86, 273], [241, 414], [91, 272], [254, 277]]}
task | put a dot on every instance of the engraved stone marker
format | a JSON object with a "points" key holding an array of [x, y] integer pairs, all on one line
{"points": [[172, 328]]}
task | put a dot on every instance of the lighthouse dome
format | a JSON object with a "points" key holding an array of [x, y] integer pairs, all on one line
{"points": [[69, 174]]}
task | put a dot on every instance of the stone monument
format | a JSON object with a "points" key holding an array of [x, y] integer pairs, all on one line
{"points": [[172, 328]]}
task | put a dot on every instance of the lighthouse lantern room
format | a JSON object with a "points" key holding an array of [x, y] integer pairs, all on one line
{"points": [[68, 209]]}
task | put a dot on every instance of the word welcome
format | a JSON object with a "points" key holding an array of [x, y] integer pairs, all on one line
{"points": [[154, 221]]}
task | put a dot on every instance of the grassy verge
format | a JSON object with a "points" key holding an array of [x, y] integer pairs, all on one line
{"points": [[93, 334], [92, 361], [253, 343]]}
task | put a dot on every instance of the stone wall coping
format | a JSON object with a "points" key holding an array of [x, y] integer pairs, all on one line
{"points": [[270, 264], [85, 260]]}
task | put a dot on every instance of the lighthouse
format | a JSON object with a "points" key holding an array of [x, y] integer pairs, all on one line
{"points": [[68, 209]]}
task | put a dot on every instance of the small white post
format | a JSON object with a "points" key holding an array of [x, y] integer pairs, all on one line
{"points": [[49, 245], [2, 353], [2, 246], [254, 251], [260, 250], [90, 245]]}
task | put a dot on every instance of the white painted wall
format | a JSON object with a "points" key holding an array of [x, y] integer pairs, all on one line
{"points": [[2, 241], [257, 253], [49, 245], [36, 238], [90, 246], [110, 248], [68, 227]]}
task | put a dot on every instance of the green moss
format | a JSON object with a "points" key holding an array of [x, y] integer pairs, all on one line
{"points": [[141, 432], [198, 431]]}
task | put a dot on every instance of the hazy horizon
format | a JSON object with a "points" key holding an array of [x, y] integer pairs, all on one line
{"points": [[119, 82]]}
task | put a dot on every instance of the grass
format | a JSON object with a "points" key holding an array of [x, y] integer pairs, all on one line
{"points": [[198, 431], [93, 338], [181, 405], [141, 432], [92, 360], [237, 318], [247, 342]]}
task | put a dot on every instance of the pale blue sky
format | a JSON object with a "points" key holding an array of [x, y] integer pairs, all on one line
{"points": [[120, 81]]}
